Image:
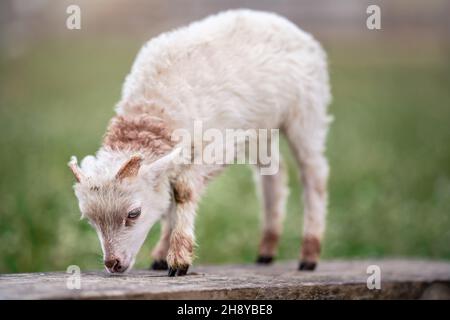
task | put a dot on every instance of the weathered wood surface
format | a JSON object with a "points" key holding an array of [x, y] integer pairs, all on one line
{"points": [[400, 279]]}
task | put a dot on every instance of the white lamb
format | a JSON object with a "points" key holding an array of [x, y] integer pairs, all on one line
{"points": [[239, 69]]}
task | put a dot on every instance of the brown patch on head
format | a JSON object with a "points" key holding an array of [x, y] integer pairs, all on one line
{"points": [[130, 168], [140, 132], [106, 208], [182, 193], [310, 249], [269, 243], [107, 220]]}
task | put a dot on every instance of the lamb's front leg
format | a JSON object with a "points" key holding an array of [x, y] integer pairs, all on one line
{"points": [[182, 240]]}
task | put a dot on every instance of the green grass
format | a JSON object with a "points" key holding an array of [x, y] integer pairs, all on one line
{"points": [[388, 148]]}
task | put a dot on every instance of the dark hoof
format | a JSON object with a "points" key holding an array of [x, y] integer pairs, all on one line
{"points": [[178, 272], [307, 266], [264, 260], [159, 265], [172, 272]]}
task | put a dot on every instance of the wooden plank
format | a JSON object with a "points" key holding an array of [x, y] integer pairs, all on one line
{"points": [[406, 279]]}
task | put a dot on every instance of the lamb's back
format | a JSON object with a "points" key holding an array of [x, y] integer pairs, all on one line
{"points": [[235, 59]]}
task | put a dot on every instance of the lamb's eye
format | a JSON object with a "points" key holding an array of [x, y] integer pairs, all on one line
{"points": [[133, 214]]}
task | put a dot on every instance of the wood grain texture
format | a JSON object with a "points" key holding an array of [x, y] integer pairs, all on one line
{"points": [[400, 279]]}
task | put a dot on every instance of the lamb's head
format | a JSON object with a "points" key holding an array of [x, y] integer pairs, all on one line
{"points": [[122, 197]]}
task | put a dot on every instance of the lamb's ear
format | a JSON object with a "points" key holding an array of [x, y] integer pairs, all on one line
{"points": [[73, 165], [130, 168], [161, 166]]}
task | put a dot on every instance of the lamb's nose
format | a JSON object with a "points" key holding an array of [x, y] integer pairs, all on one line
{"points": [[114, 265]]}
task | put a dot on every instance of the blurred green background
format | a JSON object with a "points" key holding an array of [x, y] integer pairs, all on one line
{"points": [[389, 147]]}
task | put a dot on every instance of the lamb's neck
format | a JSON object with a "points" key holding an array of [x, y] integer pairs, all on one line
{"points": [[142, 133]]}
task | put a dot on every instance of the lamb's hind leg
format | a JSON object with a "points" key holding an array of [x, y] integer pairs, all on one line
{"points": [[306, 136], [273, 194], [314, 174], [159, 253]]}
